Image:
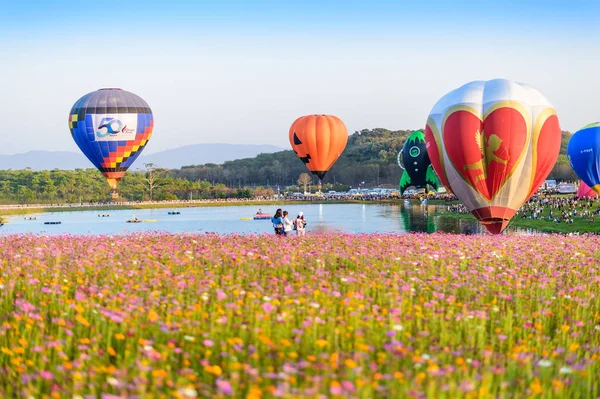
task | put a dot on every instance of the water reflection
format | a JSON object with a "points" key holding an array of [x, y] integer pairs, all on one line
{"points": [[416, 217]]}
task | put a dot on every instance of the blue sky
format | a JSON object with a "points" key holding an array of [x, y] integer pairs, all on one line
{"points": [[241, 72]]}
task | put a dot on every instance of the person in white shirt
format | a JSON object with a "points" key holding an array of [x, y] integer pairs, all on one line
{"points": [[287, 224], [300, 224]]}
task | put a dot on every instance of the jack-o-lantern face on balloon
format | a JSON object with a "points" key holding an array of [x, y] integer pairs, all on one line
{"points": [[318, 140]]}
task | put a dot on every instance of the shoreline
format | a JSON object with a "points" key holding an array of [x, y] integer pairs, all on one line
{"points": [[542, 226]]}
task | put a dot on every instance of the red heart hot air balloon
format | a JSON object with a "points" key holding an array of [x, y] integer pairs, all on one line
{"points": [[318, 140], [493, 143]]}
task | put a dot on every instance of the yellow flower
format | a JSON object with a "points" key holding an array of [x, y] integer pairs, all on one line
{"points": [[79, 309], [254, 393], [351, 364], [159, 374], [557, 385], [22, 342], [111, 351], [84, 341], [119, 337], [564, 328], [82, 320], [322, 343], [215, 370], [152, 316], [573, 347], [535, 386]]}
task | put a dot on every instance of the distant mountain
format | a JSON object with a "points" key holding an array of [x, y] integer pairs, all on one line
{"points": [[172, 159], [206, 153], [39, 160]]}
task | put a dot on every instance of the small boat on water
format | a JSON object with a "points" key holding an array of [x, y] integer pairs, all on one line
{"points": [[133, 221], [52, 222], [174, 213], [103, 216], [262, 216], [30, 218]]}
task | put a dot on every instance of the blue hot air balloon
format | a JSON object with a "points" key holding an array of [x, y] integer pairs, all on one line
{"points": [[584, 154], [111, 127]]}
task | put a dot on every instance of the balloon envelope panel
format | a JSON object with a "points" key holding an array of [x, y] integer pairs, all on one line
{"points": [[585, 191], [584, 155], [111, 127]]}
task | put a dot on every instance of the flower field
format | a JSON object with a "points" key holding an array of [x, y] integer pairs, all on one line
{"points": [[183, 316]]}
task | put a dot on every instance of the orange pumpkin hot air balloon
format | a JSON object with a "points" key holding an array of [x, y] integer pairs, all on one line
{"points": [[318, 140]]}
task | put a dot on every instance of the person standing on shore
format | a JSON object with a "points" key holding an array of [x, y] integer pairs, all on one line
{"points": [[277, 221], [300, 225], [287, 224]]}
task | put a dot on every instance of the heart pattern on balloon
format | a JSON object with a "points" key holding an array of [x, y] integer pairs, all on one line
{"points": [[485, 153]]}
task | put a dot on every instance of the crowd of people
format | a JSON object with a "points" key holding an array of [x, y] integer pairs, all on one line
{"points": [[560, 210], [552, 209], [283, 225], [457, 208]]}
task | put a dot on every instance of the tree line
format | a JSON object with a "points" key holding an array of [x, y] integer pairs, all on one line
{"points": [[88, 185], [370, 159]]}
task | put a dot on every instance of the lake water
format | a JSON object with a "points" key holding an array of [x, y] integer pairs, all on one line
{"points": [[348, 218]]}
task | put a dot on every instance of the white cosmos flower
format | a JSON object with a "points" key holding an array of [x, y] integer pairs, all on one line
{"points": [[112, 381], [544, 363], [565, 370], [189, 392]]}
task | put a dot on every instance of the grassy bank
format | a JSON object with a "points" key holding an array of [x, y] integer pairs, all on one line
{"points": [[578, 226]]}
